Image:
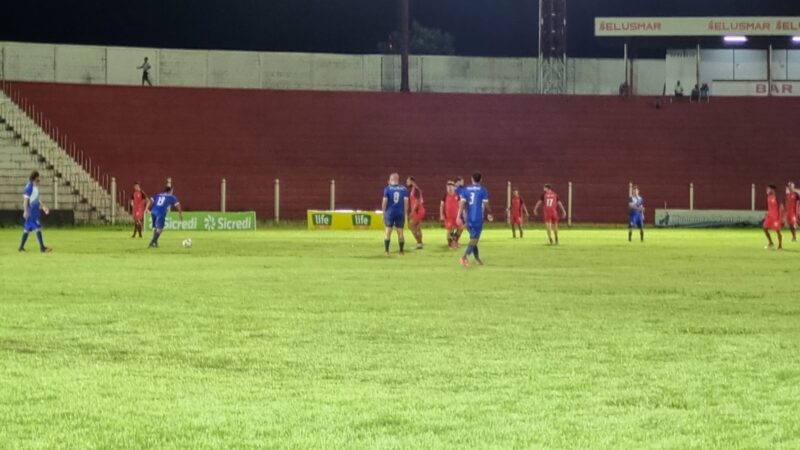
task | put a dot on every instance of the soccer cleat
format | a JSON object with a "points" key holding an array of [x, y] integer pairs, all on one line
{"points": [[21, 250], [769, 247], [47, 250], [419, 246], [153, 245], [479, 261], [464, 261], [402, 253], [385, 253]]}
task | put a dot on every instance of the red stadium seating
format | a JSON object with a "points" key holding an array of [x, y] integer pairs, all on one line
{"points": [[251, 137]]}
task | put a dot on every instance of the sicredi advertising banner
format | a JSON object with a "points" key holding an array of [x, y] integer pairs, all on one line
{"points": [[208, 221], [696, 26], [696, 218]]}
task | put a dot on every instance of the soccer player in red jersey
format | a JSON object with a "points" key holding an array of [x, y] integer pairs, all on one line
{"points": [[138, 205], [416, 212], [792, 210], [551, 206], [774, 219], [448, 214], [515, 214]]}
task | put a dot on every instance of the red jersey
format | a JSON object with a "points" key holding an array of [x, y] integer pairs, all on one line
{"points": [[773, 209], [516, 206], [550, 202], [139, 201], [415, 198], [450, 206], [791, 204]]}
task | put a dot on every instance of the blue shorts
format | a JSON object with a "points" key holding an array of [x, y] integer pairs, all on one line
{"points": [[394, 221], [32, 223], [475, 230], [636, 221], [158, 221]]}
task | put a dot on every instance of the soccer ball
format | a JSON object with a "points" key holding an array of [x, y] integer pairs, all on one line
{"points": [[187, 243]]}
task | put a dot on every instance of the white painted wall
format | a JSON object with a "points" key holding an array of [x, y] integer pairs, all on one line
{"points": [[30, 62], [80, 64], [312, 71], [649, 76], [183, 67], [478, 75], [122, 63]]}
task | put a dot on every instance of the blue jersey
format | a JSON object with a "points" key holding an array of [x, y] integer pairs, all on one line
{"points": [[636, 209], [31, 193], [395, 195], [162, 202], [475, 196]]}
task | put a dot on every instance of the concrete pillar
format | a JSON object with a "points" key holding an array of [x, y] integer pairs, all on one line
{"points": [[113, 202], [569, 204], [223, 195], [277, 200], [333, 195]]}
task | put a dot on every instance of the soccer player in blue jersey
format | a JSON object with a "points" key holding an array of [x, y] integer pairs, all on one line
{"points": [[395, 210], [475, 201], [460, 229], [161, 204], [635, 214], [31, 205]]}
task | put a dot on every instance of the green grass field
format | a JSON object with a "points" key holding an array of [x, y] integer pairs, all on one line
{"points": [[299, 339]]}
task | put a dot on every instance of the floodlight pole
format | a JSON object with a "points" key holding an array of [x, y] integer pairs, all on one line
{"points": [[404, 43]]}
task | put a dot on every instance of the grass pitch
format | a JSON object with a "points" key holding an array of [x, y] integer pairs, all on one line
{"points": [[299, 339]]}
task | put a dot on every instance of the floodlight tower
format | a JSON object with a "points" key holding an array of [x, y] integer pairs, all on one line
{"points": [[552, 46]]}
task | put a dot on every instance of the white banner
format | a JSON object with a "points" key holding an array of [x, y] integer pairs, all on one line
{"points": [[724, 88], [696, 26]]}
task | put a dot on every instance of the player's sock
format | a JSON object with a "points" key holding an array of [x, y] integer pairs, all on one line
{"points": [[154, 241], [630, 235], [475, 252], [386, 243], [39, 238], [402, 246], [641, 235], [469, 250], [24, 240]]}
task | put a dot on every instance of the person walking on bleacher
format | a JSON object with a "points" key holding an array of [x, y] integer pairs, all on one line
{"points": [[145, 67]]}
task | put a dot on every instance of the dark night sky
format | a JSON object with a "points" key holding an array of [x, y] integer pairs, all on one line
{"points": [[480, 27]]}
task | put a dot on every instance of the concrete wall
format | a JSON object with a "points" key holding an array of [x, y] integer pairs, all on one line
{"points": [[297, 71], [330, 72]]}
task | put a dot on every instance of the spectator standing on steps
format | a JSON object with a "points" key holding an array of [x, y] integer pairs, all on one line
{"points": [[145, 67], [678, 90]]}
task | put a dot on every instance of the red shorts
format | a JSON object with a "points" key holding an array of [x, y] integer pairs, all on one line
{"points": [[551, 217], [450, 224], [419, 216], [138, 215], [791, 220], [772, 223], [516, 220]]}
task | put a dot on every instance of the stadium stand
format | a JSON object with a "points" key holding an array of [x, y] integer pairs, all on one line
{"points": [[251, 137], [65, 186]]}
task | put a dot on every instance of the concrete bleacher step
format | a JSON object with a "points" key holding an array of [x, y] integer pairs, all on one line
{"points": [[24, 147]]}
